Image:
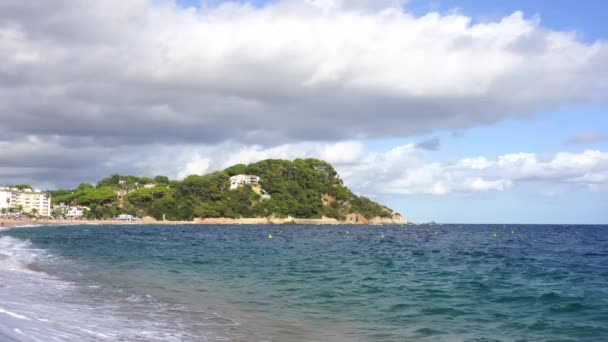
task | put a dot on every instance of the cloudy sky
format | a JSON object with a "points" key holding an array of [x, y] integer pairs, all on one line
{"points": [[453, 111]]}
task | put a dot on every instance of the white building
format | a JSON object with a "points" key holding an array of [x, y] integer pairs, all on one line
{"points": [[127, 217], [26, 200], [76, 212], [70, 212], [240, 180], [5, 199]]}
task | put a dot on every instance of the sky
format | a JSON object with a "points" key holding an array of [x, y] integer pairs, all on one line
{"points": [[452, 111]]}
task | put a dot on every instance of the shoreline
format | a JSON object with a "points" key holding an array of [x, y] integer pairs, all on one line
{"points": [[46, 222], [207, 221]]}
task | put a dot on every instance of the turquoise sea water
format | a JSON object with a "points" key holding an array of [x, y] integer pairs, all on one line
{"points": [[307, 283]]}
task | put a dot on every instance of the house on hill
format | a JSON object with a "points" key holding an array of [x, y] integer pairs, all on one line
{"points": [[240, 180]]}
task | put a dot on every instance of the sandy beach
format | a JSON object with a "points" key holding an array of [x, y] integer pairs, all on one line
{"points": [[27, 222], [213, 221]]}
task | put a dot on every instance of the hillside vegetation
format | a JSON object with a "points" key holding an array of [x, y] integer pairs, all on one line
{"points": [[303, 188]]}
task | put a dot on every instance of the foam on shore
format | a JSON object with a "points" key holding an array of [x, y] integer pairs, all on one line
{"points": [[35, 306]]}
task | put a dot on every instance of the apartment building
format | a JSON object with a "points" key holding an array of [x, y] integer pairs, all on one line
{"points": [[26, 200]]}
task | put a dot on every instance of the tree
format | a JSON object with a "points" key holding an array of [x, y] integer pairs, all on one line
{"points": [[237, 169], [57, 213], [21, 186], [145, 180], [84, 186], [304, 188], [161, 179], [113, 180]]}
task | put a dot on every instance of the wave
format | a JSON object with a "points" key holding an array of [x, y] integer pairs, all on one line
{"points": [[27, 225], [36, 306]]}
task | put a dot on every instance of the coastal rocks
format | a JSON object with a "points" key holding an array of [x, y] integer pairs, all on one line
{"points": [[327, 199], [265, 220], [360, 219], [395, 219], [149, 219]]}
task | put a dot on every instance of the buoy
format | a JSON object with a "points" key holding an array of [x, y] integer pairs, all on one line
{"points": [[382, 236], [347, 232], [512, 232], [270, 236], [436, 233], [494, 235]]}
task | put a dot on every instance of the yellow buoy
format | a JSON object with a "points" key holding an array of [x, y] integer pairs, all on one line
{"points": [[494, 235], [270, 236], [382, 236]]}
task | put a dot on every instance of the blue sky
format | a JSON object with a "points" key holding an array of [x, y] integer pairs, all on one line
{"points": [[474, 114], [585, 17]]}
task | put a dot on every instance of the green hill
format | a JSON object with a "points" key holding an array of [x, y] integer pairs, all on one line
{"points": [[303, 188]]}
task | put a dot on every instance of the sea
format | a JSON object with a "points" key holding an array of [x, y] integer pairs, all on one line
{"points": [[448, 282]]}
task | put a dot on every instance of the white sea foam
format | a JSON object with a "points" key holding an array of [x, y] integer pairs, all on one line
{"points": [[12, 314], [22, 226], [35, 306]]}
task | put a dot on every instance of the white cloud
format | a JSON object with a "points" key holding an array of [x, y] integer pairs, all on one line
{"points": [[357, 5], [148, 71], [196, 166], [148, 87], [342, 153], [588, 169]]}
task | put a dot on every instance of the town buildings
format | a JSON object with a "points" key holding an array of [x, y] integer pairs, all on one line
{"points": [[70, 212], [32, 201]]}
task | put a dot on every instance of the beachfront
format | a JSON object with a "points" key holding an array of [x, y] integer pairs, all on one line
{"points": [[28, 222]]}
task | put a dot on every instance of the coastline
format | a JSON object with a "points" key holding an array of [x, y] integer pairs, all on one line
{"points": [[208, 221], [351, 219], [47, 222]]}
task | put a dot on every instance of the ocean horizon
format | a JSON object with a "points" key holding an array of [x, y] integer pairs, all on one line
{"points": [[304, 283]]}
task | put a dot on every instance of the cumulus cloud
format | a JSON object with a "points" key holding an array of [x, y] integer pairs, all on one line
{"points": [[197, 165], [404, 170], [145, 72], [148, 87]]}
